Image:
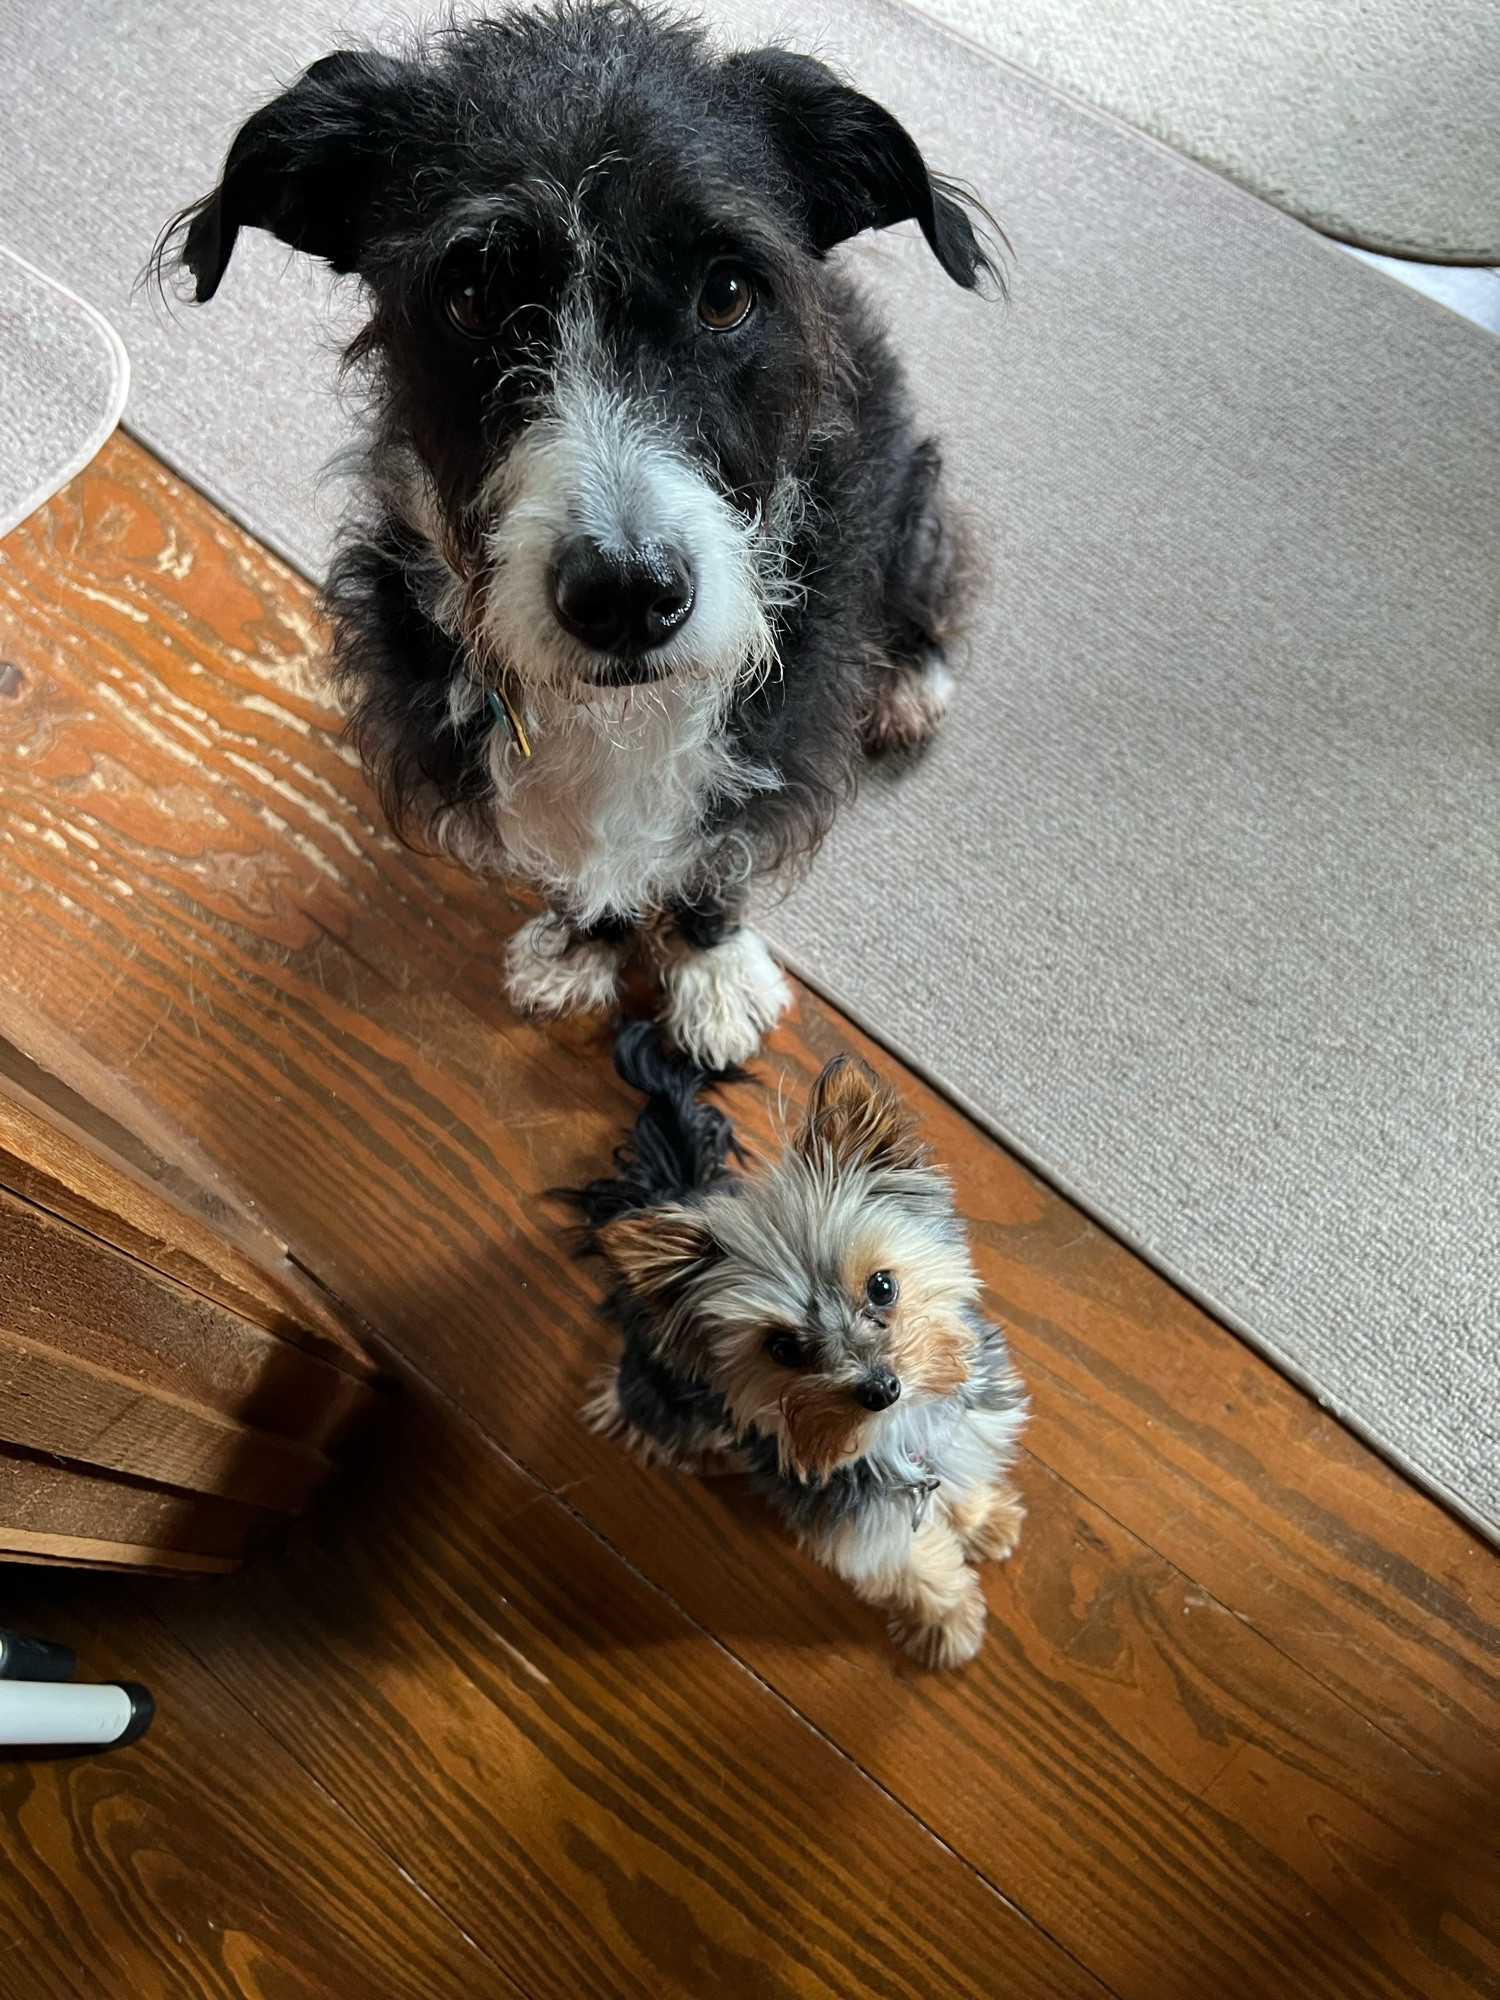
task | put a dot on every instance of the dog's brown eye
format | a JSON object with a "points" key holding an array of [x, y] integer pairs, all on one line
{"points": [[882, 1290], [785, 1350], [726, 297], [472, 293], [466, 306]]}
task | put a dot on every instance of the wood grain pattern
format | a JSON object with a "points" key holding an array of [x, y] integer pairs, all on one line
{"points": [[79, 1295], [604, 1800], [57, 1402], [201, 1864], [41, 1497], [145, 1422], [1235, 1730], [77, 1096], [51, 1549], [56, 1168]]}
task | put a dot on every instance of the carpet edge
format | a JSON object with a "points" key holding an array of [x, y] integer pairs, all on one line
{"points": [[119, 359]]}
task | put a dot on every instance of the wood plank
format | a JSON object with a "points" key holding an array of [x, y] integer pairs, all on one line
{"points": [[325, 1011], [47, 1546], [53, 1166], [44, 1497], [1115, 1702], [84, 1297], [61, 1081], [201, 1863], [603, 1799], [54, 1401]]}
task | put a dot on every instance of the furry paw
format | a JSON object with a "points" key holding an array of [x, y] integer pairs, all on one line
{"points": [[992, 1535], [702, 1449], [910, 701], [723, 1001], [949, 1640], [604, 1413], [551, 970]]}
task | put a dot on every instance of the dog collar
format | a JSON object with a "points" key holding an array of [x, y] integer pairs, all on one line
{"points": [[504, 710]]}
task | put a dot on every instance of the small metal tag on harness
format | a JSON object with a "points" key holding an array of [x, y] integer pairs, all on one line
{"points": [[921, 1491]]}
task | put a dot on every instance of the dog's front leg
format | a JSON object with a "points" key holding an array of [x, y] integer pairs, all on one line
{"points": [[554, 967], [987, 1520], [725, 992], [918, 1576]]}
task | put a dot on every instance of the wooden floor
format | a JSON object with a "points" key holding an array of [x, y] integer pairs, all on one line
{"points": [[509, 1716]]}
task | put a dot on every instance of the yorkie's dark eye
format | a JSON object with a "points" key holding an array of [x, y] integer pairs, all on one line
{"points": [[726, 298], [881, 1290], [785, 1349]]}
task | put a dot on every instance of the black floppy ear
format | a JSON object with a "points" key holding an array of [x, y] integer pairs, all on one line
{"points": [[855, 166], [306, 167]]}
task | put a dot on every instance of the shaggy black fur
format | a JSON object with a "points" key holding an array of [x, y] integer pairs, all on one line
{"points": [[678, 1148], [464, 167]]}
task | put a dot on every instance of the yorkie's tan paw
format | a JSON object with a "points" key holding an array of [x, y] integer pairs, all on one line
{"points": [[950, 1640], [991, 1534]]}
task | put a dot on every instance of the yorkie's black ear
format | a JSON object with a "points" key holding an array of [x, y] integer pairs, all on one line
{"points": [[854, 1120], [655, 1250], [307, 167], [855, 166]]}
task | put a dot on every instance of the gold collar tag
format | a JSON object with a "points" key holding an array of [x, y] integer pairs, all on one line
{"points": [[504, 710]]}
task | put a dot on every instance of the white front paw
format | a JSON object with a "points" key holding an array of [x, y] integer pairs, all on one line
{"points": [[721, 1002], [549, 970]]}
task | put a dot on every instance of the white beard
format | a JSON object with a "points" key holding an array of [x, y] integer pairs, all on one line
{"points": [[605, 817]]}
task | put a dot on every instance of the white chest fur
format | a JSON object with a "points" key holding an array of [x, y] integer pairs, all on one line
{"points": [[606, 814]]}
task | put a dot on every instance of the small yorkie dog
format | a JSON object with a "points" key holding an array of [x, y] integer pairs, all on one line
{"points": [[814, 1324]]}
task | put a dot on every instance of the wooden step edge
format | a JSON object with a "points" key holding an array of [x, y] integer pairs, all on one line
{"points": [[77, 1172], [52, 1401], [27, 1545]]}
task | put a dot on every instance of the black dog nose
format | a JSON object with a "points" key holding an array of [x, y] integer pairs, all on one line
{"points": [[621, 600], [879, 1390]]}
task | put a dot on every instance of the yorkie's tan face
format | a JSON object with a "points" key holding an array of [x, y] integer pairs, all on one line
{"points": [[827, 1298]]}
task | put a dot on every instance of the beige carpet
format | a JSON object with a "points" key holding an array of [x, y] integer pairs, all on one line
{"points": [[1197, 903], [1377, 121], [63, 381]]}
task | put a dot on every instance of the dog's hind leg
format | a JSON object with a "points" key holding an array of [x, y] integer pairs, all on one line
{"points": [[554, 968], [911, 683]]}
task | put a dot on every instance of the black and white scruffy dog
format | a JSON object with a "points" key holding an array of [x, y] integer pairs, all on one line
{"points": [[816, 1325], [652, 553]]}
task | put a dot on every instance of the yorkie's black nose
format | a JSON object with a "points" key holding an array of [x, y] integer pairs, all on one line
{"points": [[878, 1390], [621, 600]]}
